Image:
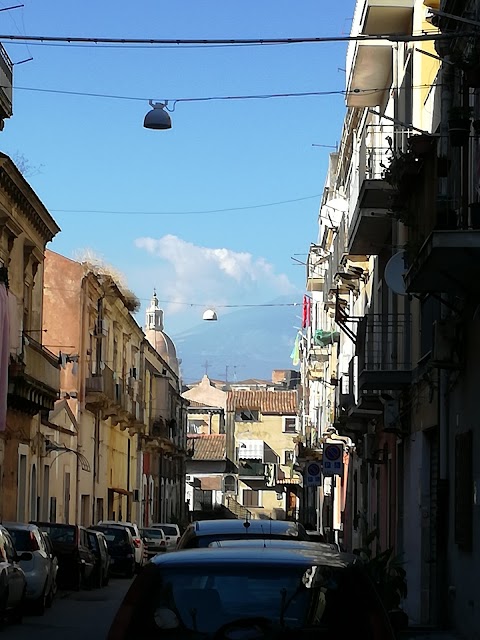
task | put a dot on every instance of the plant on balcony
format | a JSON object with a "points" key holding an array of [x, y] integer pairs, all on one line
{"points": [[421, 145], [459, 123], [403, 164]]}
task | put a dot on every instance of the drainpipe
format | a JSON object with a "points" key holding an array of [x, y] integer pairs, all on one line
{"points": [[443, 408]]}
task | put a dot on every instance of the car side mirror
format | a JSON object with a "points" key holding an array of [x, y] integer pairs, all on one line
{"points": [[25, 556]]}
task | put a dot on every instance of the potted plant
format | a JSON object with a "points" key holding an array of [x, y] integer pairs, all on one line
{"points": [[422, 144], [459, 122]]}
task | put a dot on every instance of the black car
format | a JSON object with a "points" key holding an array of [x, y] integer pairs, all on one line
{"points": [[202, 532], [99, 546], [255, 593], [120, 547], [75, 558]]}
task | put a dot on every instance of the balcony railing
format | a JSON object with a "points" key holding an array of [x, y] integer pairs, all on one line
{"points": [[6, 83], [383, 349], [34, 380], [251, 469], [100, 388]]}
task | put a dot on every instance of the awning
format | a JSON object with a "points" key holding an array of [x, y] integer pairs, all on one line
{"points": [[124, 492], [323, 338], [211, 483]]}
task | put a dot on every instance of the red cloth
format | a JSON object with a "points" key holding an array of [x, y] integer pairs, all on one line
{"points": [[307, 312]]}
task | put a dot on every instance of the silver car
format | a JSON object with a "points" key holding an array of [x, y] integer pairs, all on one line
{"points": [[39, 570]]}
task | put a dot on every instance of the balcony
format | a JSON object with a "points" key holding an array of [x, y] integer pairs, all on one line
{"points": [[448, 262], [251, 470], [383, 349], [100, 390], [369, 63], [6, 83], [34, 381], [371, 225]]}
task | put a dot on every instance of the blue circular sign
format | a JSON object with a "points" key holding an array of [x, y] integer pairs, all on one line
{"points": [[313, 469], [333, 452]]}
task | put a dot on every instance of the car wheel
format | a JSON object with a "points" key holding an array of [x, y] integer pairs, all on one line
{"points": [[3, 609], [51, 594], [38, 607], [17, 613]]}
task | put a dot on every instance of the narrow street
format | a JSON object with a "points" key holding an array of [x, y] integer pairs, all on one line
{"points": [[74, 615]]}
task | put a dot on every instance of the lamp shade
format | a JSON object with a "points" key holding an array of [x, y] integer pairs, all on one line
{"points": [[210, 315], [157, 117]]}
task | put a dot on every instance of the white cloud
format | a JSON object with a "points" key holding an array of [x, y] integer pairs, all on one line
{"points": [[200, 275]]}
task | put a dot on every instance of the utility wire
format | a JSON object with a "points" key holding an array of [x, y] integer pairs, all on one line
{"points": [[426, 36], [186, 213]]}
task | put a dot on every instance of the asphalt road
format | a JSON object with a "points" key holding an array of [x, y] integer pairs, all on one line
{"points": [[83, 615]]}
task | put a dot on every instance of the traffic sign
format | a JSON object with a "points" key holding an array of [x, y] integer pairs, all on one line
{"points": [[313, 474], [332, 459]]}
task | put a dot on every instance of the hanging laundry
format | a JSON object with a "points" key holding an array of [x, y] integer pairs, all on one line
{"points": [[62, 360], [307, 312], [323, 338], [295, 355]]}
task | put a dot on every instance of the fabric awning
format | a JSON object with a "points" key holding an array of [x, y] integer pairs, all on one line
{"points": [[211, 483]]}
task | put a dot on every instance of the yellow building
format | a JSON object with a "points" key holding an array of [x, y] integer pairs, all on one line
{"points": [[33, 374], [264, 424]]}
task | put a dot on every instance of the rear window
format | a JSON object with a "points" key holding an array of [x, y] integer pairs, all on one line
{"points": [[206, 541], [169, 531], [60, 534], [24, 540], [153, 533], [115, 535]]}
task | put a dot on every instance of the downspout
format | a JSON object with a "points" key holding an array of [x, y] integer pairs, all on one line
{"points": [[443, 399]]}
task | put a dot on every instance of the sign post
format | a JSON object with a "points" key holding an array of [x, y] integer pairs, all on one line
{"points": [[332, 459], [313, 474]]}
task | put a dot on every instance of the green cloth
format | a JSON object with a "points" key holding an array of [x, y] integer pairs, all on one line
{"points": [[323, 338]]}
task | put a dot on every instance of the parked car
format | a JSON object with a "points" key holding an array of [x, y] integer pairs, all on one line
{"points": [[101, 572], [75, 558], [13, 583], [39, 570], [54, 560], [154, 540], [261, 593], [120, 547], [275, 543], [137, 540], [202, 532], [172, 534]]}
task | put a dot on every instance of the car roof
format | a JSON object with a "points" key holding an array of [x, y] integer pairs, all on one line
{"points": [[119, 524], [265, 527], [57, 525], [259, 556], [23, 526], [272, 542]]}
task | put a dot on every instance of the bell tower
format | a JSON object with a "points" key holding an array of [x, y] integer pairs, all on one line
{"points": [[154, 315]]}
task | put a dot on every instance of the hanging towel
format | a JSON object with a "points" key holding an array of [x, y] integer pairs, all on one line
{"points": [[307, 312], [4, 354], [295, 355]]}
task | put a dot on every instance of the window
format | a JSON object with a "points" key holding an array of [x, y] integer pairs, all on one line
{"points": [[251, 498], [229, 484], [289, 457], [246, 415], [53, 509], [290, 425]]}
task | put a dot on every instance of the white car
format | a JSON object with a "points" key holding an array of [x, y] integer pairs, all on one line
{"points": [[38, 571], [137, 539], [171, 531]]}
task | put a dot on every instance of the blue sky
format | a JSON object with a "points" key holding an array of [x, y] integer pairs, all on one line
{"points": [[94, 154]]}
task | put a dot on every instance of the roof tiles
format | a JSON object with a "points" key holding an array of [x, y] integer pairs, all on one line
{"points": [[279, 402], [207, 447]]}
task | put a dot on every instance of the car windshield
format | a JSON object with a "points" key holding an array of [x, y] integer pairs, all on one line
{"points": [[198, 601], [115, 535], [206, 541], [23, 540], [168, 531], [60, 534], [153, 533]]}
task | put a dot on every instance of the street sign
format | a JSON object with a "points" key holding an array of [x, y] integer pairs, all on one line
{"points": [[313, 474], [332, 459]]}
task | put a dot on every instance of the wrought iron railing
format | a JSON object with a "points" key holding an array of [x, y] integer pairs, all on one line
{"points": [[384, 342]]}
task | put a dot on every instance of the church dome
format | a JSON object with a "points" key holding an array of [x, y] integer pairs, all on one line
{"points": [[156, 336]]}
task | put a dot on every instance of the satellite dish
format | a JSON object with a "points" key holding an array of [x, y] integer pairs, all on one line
{"points": [[395, 271]]}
